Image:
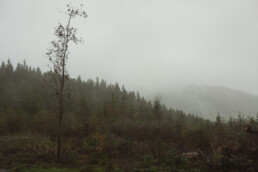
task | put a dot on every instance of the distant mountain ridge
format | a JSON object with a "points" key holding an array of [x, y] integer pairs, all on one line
{"points": [[208, 101]]}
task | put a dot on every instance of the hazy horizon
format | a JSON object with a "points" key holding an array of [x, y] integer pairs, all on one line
{"points": [[149, 46]]}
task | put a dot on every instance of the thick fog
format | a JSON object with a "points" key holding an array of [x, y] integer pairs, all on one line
{"points": [[146, 45]]}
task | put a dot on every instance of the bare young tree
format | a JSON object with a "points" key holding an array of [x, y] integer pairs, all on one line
{"points": [[58, 56]]}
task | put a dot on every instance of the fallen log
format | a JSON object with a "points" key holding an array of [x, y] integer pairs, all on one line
{"points": [[201, 153], [191, 155]]}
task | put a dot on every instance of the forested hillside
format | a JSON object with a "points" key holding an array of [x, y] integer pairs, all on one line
{"points": [[28, 90], [108, 128], [208, 101]]}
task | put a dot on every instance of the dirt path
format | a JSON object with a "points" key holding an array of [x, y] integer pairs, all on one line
{"points": [[3, 170]]}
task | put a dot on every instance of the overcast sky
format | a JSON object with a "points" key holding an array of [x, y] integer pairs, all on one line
{"points": [[147, 45]]}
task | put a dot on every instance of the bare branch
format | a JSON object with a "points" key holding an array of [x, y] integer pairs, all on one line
{"points": [[58, 56]]}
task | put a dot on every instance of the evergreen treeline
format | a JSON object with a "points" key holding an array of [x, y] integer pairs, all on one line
{"points": [[107, 127], [28, 90]]}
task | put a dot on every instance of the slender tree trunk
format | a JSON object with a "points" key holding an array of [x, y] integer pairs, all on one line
{"points": [[61, 90], [59, 130], [59, 141], [61, 108], [60, 120]]}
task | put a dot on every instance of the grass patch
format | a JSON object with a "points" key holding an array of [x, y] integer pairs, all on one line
{"points": [[39, 169]]}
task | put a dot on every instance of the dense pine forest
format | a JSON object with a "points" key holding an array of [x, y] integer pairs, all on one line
{"points": [[108, 128]]}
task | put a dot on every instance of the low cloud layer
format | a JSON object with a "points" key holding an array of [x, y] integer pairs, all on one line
{"points": [[146, 45]]}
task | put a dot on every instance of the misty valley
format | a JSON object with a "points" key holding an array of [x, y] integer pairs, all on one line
{"points": [[108, 128], [72, 105]]}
